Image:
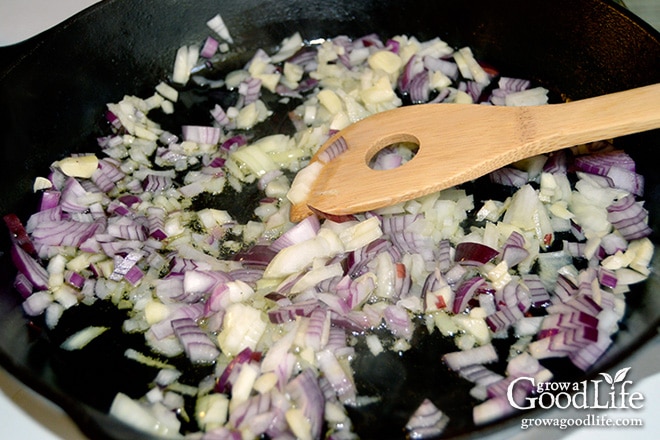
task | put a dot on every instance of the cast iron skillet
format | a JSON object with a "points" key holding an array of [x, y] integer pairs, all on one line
{"points": [[53, 90]]}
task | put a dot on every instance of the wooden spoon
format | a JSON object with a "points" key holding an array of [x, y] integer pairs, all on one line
{"points": [[460, 142]]}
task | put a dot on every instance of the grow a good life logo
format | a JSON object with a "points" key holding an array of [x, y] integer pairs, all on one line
{"points": [[604, 393]]}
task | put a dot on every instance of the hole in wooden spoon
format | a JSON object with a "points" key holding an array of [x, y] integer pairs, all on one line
{"points": [[392, 152]]}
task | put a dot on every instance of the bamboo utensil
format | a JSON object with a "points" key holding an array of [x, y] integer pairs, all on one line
{"points": [[458, 143]]}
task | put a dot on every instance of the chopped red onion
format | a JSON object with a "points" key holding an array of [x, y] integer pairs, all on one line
{"points": [[306, 394], [290, 311], [49, 199], [250, 90], [37, 303], [504, 318], [538, 294], [30, 267], [196, 343], [474, 254], [398, 321], [509, 176], [418, 89], [156, 223], [156, 182], [209, 48], [479, 374], [163, 329], [304, 230], [341, 382], [220, 116], [73, 196], [427, 421], [134, 275], [23, 285], [244, 356], [201, 134], [607, 278], [64, 232], [74, 279], [465, 291], [587, 356], [617, 166], [333, 150], [107, 175], [458, 360], [513, 84], [258, 256], [124, 265], [629, 217], [255, 414]]}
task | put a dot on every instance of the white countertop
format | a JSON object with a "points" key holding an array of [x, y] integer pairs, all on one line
{"points": [[24, 414]]}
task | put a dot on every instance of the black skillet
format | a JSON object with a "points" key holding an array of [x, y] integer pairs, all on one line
{"points": [[53, 89]]}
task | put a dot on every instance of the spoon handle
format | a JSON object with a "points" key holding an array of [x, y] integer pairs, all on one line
{"points": [[587, 120]]}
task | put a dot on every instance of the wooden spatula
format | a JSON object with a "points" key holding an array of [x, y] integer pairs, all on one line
{"points": [[458, 143]]}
